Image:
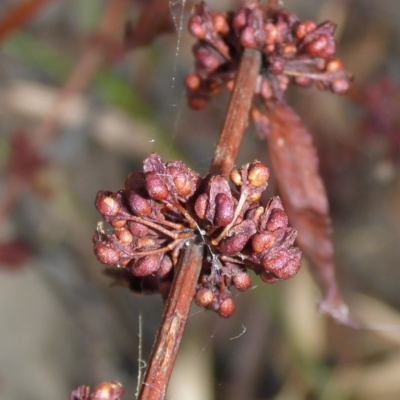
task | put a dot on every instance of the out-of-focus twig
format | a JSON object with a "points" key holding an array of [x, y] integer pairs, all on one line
{"points": [[18, 16]]}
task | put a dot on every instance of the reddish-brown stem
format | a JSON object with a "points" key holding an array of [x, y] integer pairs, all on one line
{"points": [[237, 117], [173, 323], [183, 288]]}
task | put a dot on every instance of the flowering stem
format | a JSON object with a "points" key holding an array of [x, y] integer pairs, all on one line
{"points": [[173, 323], [237, 117]]}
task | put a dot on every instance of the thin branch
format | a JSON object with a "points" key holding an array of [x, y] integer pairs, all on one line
{"points": [[237, 117], [173, 323], [18, 16]]}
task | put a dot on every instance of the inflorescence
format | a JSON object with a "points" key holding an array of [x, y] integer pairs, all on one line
{"points": [[293, 51], [162, 208]]}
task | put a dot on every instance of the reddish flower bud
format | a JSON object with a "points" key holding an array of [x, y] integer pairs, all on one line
{"points": [[118, 224], [236, 177], [233, 244], [224, 210], [263, 240], [193, 81], [220, 23], [139, 205], [340, 86], [106, 204], [240, 19], [200, 206], [196, 28], [204, 297], [107, 391], [165, 267], [278, 219], [155, 186], [124, 235], [226, 308], [197, 103], [247, 38], [270, 33], [145, 265], [242, 281], [258, 174], [334, 65], [106, 254], [303, 29]]}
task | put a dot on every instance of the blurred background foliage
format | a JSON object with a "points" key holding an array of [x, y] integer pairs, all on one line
{"points": [[61, 323]]}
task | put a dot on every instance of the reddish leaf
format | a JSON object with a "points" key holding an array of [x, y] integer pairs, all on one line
{"points": [[13, 254], [295, 164], [19, 15]]}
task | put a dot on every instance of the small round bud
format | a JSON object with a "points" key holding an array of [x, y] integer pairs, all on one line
{"points": [[271, 33], [183, 185], [289, 49], [247, 38], [263, 240], [258, 174], [233, 244], [224, 210], [226, 308], [156, 188], [196, 29], [278, 219], [107, 391], [118, 224], [145, 265], [201, 205], [124, 236], [240, 19], [197, 103], [193, 81], [277, 66], [139, 205], [242, 281], [139, 230], [304, 28], [236, 177], [276, 263], [220, 24], [230, 84], [340, 86], [334, 65], [106, 204], [106, 254], [204, 297], [165, 267]]}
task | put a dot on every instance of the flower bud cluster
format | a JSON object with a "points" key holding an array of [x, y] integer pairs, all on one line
{"points": [[293, 51], [167, 204]]}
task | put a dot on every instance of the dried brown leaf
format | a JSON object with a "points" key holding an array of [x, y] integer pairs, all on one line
{"points": [[295, 163]]}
